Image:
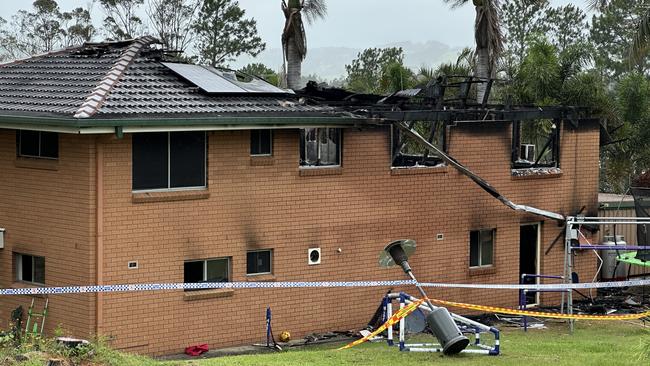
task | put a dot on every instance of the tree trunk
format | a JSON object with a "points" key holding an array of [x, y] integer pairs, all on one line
{"points": [[482, 71], [294, 66]]}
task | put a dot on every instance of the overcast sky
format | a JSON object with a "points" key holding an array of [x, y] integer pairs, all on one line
{"points": [[352, 23]]}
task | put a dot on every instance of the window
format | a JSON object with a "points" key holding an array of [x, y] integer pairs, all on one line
{"points": [[407, 152], [481, 248], [30, 268], [261, 142], [169, 160], [37, 144], [536, 144], [210, 270], [320, 147], [259, 262]]}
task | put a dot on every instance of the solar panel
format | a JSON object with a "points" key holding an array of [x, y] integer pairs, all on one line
{"points": [[215, 81], [205, 79]]}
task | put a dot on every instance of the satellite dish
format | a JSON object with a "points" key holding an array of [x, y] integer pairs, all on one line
{"points": [[386, 256]]}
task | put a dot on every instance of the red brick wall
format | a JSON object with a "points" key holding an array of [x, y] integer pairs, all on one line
{"points": [[47, 208], [359, 209]]}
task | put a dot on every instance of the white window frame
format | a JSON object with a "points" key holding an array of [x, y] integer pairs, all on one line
{"points": [[205, 266], [270, 264], [340, 149], [169, 175], [493, 232], [270, 143], [20, 257]]}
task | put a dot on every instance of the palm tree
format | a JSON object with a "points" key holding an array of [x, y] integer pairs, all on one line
{"points": [[294, 39], [488, 37]]}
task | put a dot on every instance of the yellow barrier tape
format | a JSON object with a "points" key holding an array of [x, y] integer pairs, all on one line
{"points": [[402, 313], [493, 309]]}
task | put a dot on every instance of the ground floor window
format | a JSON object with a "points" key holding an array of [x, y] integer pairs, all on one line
{"points": [[320, 147], [259, 262], [30, 268], [207, 270], [481, 248]]}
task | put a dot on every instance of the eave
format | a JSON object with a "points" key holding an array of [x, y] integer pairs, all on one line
{"points": [[212, 123]]}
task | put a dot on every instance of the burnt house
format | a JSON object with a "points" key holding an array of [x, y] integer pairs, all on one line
{"points": [[120, 166]]}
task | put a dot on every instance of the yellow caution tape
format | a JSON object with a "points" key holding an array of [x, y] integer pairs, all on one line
{"points": [[493, 309], [402, 313]]}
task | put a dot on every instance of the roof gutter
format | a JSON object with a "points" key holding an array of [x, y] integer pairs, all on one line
{"points": [[130, 125]]}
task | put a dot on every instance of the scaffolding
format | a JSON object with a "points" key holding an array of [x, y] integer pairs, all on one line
{"points": [[572, 244]]}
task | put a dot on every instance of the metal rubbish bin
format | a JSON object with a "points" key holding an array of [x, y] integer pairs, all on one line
{"points": [[612, 269]]}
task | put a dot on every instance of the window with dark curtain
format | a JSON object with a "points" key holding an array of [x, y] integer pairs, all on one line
{"points": [[150, 166], [187, 159], [258, 262], [37, 144], [166, 160], [261, 142]]}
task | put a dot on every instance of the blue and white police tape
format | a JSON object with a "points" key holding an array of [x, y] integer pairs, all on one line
{"points": [[144, 287]]}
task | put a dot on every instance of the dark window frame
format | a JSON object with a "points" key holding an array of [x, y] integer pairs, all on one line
{"points": [[436, 134], [205, 262], [270, 264], [478, 234], [257, 145], [40, 154], [304, 163], [169, 162], [19, 264], [551, 145]]}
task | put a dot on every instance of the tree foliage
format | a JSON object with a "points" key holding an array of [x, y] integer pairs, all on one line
{"points": [[122, 21], [261, 71], [31, 32], [172, 22], [613, 32], [77, 27], [223, 33], [565, 25], [522, 21], [365, 72]]}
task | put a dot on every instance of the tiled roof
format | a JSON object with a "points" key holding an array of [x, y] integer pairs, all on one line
{"points": [[122, 80]]}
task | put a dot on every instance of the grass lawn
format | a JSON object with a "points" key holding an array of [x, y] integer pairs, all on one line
{"points": [[593, 343], [597, 343]]}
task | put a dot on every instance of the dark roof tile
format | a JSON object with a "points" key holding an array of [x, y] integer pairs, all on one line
{"points": [[120, 79]]}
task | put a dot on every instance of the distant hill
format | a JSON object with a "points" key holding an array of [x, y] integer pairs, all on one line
{"points": [[329, 62]]}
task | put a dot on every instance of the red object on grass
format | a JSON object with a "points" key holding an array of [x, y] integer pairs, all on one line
{"points": [[197, 350]]}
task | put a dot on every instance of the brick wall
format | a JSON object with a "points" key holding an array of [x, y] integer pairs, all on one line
{"points": [[47, 208], [358, 208]]}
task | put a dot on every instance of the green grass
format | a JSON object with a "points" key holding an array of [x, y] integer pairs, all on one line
{"points": [[607, 344], [597, 343]]}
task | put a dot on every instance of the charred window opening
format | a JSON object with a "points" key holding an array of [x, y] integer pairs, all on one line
{"points": [[320, 147], [536, 144], [407, 152]]}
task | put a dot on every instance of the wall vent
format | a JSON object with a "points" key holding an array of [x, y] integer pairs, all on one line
{"points": [[313, 256]]}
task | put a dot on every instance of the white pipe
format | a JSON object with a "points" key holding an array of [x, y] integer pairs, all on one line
{"points": [[389, 314]]}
